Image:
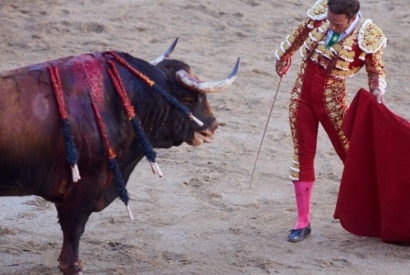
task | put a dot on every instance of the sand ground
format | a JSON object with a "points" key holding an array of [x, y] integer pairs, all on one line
{"points": [[202, 218]]}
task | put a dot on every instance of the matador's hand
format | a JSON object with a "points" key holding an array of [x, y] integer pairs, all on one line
{"points": [[379, 96], [281, 65]]}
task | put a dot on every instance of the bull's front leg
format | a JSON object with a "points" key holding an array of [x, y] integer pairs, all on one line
{"points": [[72, 220]]}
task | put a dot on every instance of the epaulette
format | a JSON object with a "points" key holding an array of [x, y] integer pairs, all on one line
{"points": [[318, 11], [371, 37]]}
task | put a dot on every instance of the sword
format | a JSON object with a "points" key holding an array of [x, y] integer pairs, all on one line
{"points": [[284, 71]]}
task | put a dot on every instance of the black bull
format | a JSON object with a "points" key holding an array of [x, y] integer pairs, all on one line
{"points": [[32, 148]]}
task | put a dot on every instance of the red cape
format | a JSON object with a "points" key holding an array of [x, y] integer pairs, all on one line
{"points": [[374, 196]]}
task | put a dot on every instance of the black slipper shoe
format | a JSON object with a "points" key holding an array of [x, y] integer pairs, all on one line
{"points": [[297, 235]]}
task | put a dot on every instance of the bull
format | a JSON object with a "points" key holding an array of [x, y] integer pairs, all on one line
{"points": [[33, 148]]}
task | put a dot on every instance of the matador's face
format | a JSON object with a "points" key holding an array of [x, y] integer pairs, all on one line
{"points": [[339, 22]]}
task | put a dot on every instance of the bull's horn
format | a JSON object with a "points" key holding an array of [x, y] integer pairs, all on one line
{"points": [[207, 87], [166, 54]]}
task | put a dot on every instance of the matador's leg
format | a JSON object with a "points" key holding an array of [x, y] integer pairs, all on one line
{"points": [[336, 106]]}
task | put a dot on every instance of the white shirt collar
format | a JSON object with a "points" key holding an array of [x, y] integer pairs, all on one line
{"points": [[351, 28]]}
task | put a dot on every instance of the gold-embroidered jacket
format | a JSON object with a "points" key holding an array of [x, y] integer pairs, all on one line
{"points": [[363, 47]]}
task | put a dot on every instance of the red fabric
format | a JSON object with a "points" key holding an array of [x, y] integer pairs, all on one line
{"points": [[374, 193]]}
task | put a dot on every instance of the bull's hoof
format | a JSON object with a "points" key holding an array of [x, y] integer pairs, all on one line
{"points": [[74, 269]]}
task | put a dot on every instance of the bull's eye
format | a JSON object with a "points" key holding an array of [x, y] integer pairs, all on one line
{"points": [[189, 100]]}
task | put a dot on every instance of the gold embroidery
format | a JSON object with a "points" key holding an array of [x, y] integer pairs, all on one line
{"points": [[349, 41], [309, 43], [316, 34], [374, 64], [345, 74], [326, 52], [319, 10], [303, 52], [347, 55], [324, 27], [337, 47], [291, 38], [295, 39], [343, 65], [284, 46], [336, 106], [315, 57], [371, 37]]}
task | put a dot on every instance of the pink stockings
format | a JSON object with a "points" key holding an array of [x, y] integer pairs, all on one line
{"points": [[303, 192]]}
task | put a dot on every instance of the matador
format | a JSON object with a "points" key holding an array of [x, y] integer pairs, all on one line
{"points": [[335, 42]]}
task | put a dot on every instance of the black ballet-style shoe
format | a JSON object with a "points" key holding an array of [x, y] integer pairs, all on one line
{"points": [[297, 235]]}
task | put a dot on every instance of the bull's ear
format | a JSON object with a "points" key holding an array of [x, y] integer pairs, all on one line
{"points": [[166, 54]]}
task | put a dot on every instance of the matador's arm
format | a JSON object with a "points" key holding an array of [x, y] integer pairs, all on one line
{"points": [[293, 41], [372, 42], [296, 38]]}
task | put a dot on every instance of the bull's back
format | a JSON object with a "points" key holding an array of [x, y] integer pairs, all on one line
{"points": [[27, 126], [32, 151], [27, 106]]}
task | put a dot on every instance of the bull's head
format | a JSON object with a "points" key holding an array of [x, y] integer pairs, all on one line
{"points": [[191, 92]]}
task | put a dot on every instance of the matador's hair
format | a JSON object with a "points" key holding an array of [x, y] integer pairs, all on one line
{"points": [[348, 7]]}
